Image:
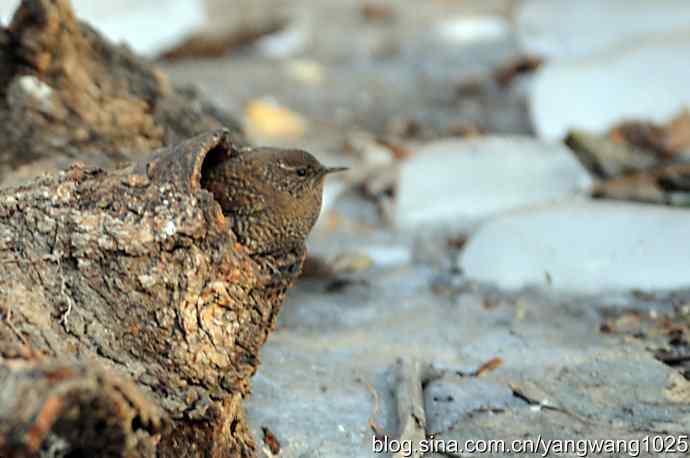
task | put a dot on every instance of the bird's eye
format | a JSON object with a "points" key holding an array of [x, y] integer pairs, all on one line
{"points": [[301, 172]]}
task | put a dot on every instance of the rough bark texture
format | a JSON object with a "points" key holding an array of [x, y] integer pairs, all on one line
{"points": [[55, 411], [136, 270], [66, 93]]}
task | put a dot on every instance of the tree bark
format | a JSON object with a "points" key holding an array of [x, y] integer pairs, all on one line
{"points": [[53, 410], [66, 93], [135, 272]]}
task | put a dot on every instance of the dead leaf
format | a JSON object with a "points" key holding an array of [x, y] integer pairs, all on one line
{"points": [[521, 65], [270, 440], [674, 178], [398, 150], [626, 323], [665, 140], [669, 185], [489, 366], [218, 45], [267, 118], [377, 12], [376, 429], [679, 132], [605, 158], [457, 242], [352, 262]]}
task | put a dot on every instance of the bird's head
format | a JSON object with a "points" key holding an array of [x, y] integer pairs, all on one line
{"points": [[294, 171]]}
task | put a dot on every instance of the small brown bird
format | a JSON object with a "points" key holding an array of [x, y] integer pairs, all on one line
{"points": [[272, 195]]}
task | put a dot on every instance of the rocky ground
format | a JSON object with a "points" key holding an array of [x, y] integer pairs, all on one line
{"points": [[465, 238]]}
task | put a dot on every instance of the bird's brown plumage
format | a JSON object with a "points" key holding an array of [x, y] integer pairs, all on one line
{"points": [[272, 196]]}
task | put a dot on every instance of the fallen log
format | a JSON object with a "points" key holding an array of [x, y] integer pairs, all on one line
{"points": [[52, 410], [68, 94], [136, 271]]}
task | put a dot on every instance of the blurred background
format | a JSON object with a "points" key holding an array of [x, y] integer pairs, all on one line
{"points": [[517, 209]]}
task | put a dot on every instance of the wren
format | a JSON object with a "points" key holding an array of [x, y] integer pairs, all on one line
{"points": [[271, 196]]}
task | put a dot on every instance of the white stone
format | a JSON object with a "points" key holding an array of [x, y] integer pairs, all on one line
{"points": [[583, 247], [472, 29], [288, 42], [389, 255], [640, 81], [307, 71], [148, 27], [567, 28], [459, 182]]}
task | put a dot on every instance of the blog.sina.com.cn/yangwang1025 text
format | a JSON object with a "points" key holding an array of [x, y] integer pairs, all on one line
{"points": [[650, 444]]}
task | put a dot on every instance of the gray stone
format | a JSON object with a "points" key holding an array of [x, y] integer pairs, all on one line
{"points": [[610, 396], [451, 398]]}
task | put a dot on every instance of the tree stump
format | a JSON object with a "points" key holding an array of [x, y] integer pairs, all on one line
{"points": [[132, 272], [68, 94]]}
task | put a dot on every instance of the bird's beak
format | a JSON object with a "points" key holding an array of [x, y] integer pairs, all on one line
{"points": [[330, 170]]}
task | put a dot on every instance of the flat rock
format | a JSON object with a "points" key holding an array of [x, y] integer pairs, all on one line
{"points": [[326, 371], [583, 247], [147, 27], [604, 397], [460, 182], [451, 398], [643, 80], [563, 28]]}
